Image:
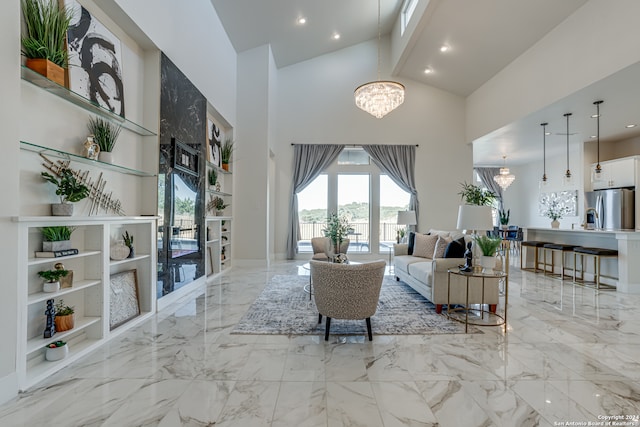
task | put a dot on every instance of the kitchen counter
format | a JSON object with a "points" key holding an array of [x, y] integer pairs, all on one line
{"points": [[626, 242]]}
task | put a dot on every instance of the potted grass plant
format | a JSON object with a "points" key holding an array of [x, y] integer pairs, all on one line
{"points": [[70, 190], [57, 237], [105, 134], [504, 218], [226, 150], [489, 247], [44, 37]]}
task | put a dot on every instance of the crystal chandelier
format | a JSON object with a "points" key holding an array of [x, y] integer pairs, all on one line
{"points": [[504, 178], [380, 97]]}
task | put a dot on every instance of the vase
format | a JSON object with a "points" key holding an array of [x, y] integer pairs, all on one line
{"points": [[51, 286], [555, 224], [64, 323], [91, 150], [56, 353], [132, 252], [119, 251]]}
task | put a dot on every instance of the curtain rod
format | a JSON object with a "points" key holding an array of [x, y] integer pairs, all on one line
{"points": [[350, 145]]}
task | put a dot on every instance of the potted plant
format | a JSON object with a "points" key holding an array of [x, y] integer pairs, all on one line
{"points": [[225, 153], [212, 176], [52, 279], [474, 195], [488, 246], [504, 218], [56, 350], [64, 316], [56, 237], [70, 190], [336, 230], [219, 205], [44, 39], [105, 135], [128, 242], [554, 212]]}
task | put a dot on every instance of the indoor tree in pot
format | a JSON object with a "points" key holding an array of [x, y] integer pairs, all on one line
{"points": [[105, 134], [336, 230], [44, 37], [70, 190], [52, 278]]}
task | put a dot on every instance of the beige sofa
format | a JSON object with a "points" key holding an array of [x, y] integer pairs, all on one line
{"points": [[429, 277]]}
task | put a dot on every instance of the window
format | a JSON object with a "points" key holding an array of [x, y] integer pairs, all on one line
{"points": [[353, 185], [408, 8]]}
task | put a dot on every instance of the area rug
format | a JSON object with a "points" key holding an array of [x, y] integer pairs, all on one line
{"points": [[284, 308]]}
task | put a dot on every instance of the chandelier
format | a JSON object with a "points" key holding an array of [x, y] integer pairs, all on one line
{"points": [[504, 178], [380, 97]]}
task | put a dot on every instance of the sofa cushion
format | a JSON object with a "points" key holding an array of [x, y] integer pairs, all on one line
{"points": [[441, 246], [422, 271], [425, 245], [402, 262], [455, 249]]}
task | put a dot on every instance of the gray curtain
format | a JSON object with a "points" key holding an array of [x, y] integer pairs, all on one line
{"points": [[309, 160], [398, 162], [486, 176]]}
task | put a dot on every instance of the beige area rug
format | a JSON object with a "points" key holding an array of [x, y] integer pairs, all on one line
{"points": [[284, 308]]}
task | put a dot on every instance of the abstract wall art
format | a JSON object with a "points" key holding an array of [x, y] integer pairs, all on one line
{"points": [[95, 60]]}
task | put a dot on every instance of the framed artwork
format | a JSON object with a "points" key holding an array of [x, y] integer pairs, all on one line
{"points": [[214, 138], [566, 201], [124, 304], [95, 60]]}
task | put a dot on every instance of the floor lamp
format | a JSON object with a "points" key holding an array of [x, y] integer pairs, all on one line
{"points": [[473, 219], [407, 218]]}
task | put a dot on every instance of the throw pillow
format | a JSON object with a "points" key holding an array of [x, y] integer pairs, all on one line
{"points": [[455, 249], [441, 246], [425, 245]]}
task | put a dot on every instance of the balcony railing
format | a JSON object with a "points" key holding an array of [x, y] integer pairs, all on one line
{"points": [[360, 238]]}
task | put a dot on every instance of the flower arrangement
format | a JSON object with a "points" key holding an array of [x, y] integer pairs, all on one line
{"points": [[56, 344], [555, 211]]}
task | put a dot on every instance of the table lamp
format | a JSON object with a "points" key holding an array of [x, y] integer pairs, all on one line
{"points": [[407, 218], [473, 218]]}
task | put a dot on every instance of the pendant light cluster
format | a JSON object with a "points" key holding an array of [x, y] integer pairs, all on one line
{"points": [[598, 169], [504, 178], [380, 97]]}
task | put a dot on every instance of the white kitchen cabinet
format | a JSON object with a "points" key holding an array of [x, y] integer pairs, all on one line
{"points": [[615, 173]]}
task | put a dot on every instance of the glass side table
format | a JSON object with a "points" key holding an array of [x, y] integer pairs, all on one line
{"points": [[499, 275]]}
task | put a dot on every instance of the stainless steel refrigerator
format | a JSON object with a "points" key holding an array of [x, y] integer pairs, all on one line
{"points": [[615, 208]]}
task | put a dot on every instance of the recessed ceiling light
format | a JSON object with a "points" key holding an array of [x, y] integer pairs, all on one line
{"points": [[547, 133], [444, 48], [593, 136], [630, 126], [428, 70], [302, 20], [336, 36]]}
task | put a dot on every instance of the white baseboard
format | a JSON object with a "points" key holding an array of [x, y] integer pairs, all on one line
{"points": [[8, 387]]}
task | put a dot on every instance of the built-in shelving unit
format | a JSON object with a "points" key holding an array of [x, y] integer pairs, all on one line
{"points": [[90, 291], [59, 154], [218, 242], [79, 100]]}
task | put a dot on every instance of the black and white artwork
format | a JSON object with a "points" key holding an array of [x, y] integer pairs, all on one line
{"points": [[95, 60], [215, 137]]}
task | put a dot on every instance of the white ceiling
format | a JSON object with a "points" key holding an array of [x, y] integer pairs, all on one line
{"points": [[484, 37]]}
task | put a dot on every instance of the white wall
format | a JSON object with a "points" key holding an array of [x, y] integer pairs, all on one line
{"points": [[316, 105], [9, 122], [599, 39]]}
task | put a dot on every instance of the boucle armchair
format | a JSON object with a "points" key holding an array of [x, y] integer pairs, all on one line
{"points": [[347, 291]]}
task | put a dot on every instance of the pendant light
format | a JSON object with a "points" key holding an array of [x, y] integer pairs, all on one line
{"points": [[598, 169], [380, 97], [543, 181], [504, 178], [567, 176]]}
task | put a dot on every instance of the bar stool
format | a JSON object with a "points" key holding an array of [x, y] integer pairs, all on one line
{"points": [[536, 259], [597, 254], [563, 250]]}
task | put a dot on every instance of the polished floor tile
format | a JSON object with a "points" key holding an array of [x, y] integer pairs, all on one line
{"points": [[570, 355]]}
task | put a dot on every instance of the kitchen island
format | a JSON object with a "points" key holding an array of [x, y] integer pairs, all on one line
{"points": [[626, 242]]}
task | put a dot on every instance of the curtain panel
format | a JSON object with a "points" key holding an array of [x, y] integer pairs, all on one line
{"points": [[398, 162], [309, 160]]}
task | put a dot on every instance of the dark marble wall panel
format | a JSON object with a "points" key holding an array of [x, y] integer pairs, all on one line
{"points": [[183, 117]]}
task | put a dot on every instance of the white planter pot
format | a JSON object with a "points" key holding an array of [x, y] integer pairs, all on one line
{"points": [[56, 246], [106, 157], [51, 287], [56, 353], [488, 263]]}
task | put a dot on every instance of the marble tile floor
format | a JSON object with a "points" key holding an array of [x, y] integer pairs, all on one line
{"points": [[570, 355]]}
